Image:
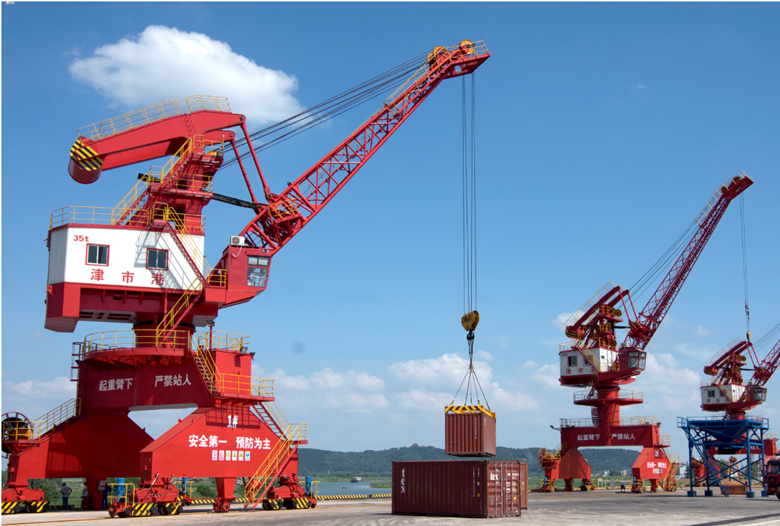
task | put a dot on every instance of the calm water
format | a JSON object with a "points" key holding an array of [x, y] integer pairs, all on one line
{"points": [[349, 488]]}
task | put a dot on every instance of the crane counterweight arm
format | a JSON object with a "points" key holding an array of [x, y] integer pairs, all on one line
{"points": [[286, 213], [643, 329]]}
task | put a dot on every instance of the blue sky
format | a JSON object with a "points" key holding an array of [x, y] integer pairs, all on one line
{"points": [[602, 130]]}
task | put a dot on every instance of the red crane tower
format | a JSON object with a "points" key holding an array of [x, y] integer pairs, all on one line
{"points": [[142, 263], [594, 360]]}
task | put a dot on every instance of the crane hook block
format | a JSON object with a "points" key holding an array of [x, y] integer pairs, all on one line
{"points": [[470, 320]]}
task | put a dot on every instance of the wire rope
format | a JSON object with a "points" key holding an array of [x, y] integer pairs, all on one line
{"points": [[332, 107], [744, 264]]}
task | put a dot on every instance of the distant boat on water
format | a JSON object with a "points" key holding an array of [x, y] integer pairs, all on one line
{"points": [[357, 479]]}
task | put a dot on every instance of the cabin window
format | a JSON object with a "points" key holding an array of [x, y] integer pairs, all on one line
{"points": [[157, 259], [257, 271], [572, 361], [97, 254]]}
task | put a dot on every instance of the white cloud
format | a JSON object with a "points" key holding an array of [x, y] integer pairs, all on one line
{"points": [[485, 356], [667, 385], [349, 391], [638, 86], [446, 370], [57, 387], [548, 375], [163, 63], [701, 331], [513, 401], [530, 364], [562, 318], [424, 400]]}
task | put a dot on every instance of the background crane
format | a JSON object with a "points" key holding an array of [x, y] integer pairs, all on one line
{"points": [[594, 360]]}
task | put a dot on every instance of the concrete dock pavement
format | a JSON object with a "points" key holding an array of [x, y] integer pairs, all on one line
{"points": [[566, 509]]}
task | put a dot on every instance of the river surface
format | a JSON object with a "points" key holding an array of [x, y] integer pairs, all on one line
{"points": [[350, 488]]}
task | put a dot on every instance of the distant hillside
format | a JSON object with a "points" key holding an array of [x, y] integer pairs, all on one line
{"points": [[318, 462]]}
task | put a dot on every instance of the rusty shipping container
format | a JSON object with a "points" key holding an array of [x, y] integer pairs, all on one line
{"points": [[470, 435], [460, 488]]}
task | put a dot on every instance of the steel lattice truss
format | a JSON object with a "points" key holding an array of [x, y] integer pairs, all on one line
{"points": [[712, 436]]}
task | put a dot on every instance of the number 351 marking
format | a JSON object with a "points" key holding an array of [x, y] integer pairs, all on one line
{"points": [[80, 238]]}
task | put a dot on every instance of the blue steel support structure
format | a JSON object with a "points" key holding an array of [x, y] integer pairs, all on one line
{"points": [[712, 436]]}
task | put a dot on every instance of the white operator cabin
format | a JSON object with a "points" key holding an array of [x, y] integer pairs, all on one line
{"points": [[573, 362], [122, 257], [721, 394]]}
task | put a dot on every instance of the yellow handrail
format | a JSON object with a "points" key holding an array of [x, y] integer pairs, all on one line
{"points": [[96, 215], [269, 467], [162, 110], [223, 340], [169, 319], [171, 215], [114, 496], [131, 339]]}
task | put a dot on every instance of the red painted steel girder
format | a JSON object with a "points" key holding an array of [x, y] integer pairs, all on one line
{"points": [[767, 368], [644, 328], [286, 213], [158, 139]]}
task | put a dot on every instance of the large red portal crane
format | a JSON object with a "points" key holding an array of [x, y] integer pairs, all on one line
{"points": [[142, 263], [594, 360]]}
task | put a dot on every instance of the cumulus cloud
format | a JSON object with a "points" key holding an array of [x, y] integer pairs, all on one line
{"points": [[485, 356], [163, 63], [562, 318], [446, 370], [530, 364], [667, 385], [57, 387], [512, 400], [548, 375], [349, 391], [424, 400], [701, 331]]}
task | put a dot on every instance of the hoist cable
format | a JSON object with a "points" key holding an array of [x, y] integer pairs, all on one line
{"points": [[469, 226], [770, 337], [334, 106], [663, 263], [744, 263], [474, 180]]}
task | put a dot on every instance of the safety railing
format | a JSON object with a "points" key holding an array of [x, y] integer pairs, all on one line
{"points": [[270, 466], [553, 455], [95, 215], [718, 355], [156, 112], [425, 71], [288, 429], [622, 395], [665, 440], [227, 341], [639, 421], [57, 416], [15, 429], [217, 277], [132, 339], [590, 302], [629, 421], [121, 493], [180, 221], [166, 326], [242, 386], [131, 202], [228, 384]]}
